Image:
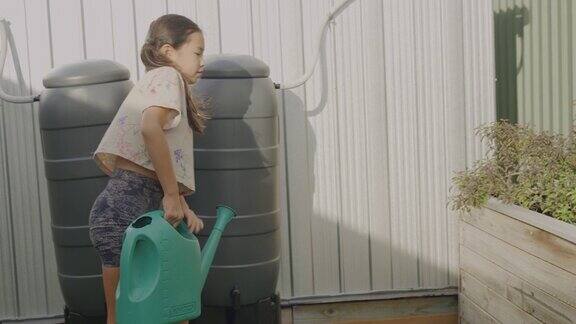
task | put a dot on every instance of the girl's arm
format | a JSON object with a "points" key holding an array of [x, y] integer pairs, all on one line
{"points": [[183, 202], [153, 118], [175, 206]]}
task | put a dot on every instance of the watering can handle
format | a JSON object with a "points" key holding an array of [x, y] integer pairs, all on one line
{"points": [[182, 227], [127, 253]]}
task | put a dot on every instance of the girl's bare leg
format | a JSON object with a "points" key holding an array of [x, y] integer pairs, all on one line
{"points": [[110, 276]]}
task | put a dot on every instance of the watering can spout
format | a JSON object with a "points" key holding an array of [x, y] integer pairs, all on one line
{"points": [[224, 215]]}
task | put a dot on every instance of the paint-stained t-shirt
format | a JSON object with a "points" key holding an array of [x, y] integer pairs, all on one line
{"points": [[163, 87]]}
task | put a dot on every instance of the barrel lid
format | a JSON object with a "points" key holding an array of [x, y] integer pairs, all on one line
{"points": [[86, 72], [229, 66]]}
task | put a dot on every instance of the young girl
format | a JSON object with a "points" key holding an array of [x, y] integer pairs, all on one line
{"points": [[148, 148]]}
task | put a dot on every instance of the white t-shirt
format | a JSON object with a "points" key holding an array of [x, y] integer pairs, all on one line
{"points": [[162, 87]]}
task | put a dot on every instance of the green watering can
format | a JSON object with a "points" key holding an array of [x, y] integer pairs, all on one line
{"points": [[162, 270]]}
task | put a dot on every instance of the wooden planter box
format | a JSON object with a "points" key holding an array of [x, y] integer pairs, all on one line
{"points": [[516, 266]]}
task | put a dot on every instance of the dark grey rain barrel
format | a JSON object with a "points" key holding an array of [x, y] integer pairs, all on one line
{"points": [[236, 163], [76, 108]]}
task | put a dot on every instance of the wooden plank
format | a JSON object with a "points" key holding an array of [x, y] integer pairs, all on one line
{"points": [[425, 319], [494, 304], [286, 317], [558, 282], [544, 222], [540, 243], [471, 313], [373, 295], [526, 296], [533, 240], [375, 310]]}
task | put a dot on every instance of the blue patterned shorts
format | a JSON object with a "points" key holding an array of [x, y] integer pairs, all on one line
{"points": [[127, 196]]}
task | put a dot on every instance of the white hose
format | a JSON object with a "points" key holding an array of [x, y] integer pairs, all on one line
{"points": [[5, 35], [334, 12]]}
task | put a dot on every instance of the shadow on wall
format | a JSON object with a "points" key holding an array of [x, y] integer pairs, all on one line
{"points": [[329, 235], [509, 39], [237, 123]]}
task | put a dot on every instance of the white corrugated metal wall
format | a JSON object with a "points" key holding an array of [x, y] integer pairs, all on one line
{"points": [[535, 63], [368, 159]]}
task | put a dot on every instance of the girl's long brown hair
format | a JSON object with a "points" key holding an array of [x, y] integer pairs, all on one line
{"points": [[174, 30]]}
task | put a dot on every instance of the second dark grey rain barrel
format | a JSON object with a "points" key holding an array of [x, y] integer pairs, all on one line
{"points": [[236, 163], [76, 108]]}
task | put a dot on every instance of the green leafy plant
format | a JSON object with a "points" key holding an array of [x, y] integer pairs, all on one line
{"points": [[536, 170]]}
